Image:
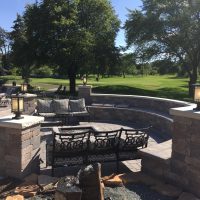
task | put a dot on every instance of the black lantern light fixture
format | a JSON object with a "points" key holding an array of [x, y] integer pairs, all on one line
{"points": [[24, 88], [197, 96], [84, 80], [17, 105]]}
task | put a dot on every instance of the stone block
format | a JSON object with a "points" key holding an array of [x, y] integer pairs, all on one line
{"points": [[187, 196], [183, 120], [177, 156], [25, 144], [192, 174], [193, 187], [27, 136], [175, 179], [27, 149], [35, 142], [193, 162], [167, 190], [12, 159], [194, 150], [178, 167], [179, 145]]}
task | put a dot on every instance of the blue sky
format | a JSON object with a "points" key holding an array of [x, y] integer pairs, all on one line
{"points": [[9, 9]]}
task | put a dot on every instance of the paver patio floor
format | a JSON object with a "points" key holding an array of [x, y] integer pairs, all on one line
{"points": [[130, 165]]}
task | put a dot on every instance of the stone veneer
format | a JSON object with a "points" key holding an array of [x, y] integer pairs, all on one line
{"points": [[161, 124], [160, 105], [84, 91], [19, 146], [185, 159], [142, 110]]}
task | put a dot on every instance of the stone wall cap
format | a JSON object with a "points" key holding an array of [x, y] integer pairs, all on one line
{"points": [[84, 86], [26, 95], [187, 112], [29, 95], [26, 122], [141, 97]]}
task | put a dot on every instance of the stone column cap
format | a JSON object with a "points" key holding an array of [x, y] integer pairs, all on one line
{"points": [[26, 122], [187, 112], [84, 86], [26, 95]]}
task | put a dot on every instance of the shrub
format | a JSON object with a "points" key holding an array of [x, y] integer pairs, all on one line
{"points": [[43, 71]]}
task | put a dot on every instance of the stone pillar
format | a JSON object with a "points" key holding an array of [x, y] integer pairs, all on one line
{"points": [[84, 91], [19, 146], [29, 103], [185, 160]]}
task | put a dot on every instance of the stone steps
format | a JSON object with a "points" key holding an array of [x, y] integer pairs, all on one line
{"points": [[156, 160]]}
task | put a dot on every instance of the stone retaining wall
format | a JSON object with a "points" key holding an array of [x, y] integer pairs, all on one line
{"points": [[132, 108], [144, 102], [160, 123]]}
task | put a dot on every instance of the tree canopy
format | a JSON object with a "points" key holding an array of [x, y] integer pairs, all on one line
{"points": [[4, 48], [167, 30], [75, 35]]}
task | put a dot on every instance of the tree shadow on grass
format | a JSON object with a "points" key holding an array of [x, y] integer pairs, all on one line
{"points": [[170, 93]]}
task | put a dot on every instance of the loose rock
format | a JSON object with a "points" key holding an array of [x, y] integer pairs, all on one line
{"points": [[27, 190], [15, 197]]}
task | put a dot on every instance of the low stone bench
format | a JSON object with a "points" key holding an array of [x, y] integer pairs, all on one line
{"points": [[162, 124]]}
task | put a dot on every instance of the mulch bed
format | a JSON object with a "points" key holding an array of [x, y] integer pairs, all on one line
{"points": [[128, 192]]}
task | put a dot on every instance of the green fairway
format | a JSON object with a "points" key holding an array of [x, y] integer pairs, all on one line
{"points": [[167, 86]]}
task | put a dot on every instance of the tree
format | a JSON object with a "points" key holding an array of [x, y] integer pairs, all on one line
{"points": [[128, 64], [21, 51], [4, 47], [70, 34], [167, 29]]}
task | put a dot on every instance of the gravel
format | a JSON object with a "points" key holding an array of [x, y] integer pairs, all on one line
{"points": [[133, 192]]}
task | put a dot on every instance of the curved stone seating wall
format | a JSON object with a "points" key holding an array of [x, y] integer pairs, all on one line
{"points": [[160, 123], [154, 104], [136, 109]]}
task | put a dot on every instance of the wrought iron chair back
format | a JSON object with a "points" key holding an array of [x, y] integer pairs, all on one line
{"points": [[105, 140], [71, 143], [134, 138]]}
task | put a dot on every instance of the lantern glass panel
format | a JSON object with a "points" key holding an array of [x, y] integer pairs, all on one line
{"points": [[84, 81], [15, 104], [21, 104], [23, 87], [197, 94]]}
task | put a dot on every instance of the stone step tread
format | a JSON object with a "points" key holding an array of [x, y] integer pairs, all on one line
{"points": [[161, 151]]}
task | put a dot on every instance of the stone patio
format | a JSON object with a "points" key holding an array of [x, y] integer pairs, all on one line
{"points": [[132, 165]]}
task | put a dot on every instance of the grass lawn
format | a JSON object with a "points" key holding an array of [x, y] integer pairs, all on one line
{"points": [[167, 86]]}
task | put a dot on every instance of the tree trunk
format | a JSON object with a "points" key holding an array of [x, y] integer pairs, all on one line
{"points": [[193, 80], [26, 73], [72, 82]]}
